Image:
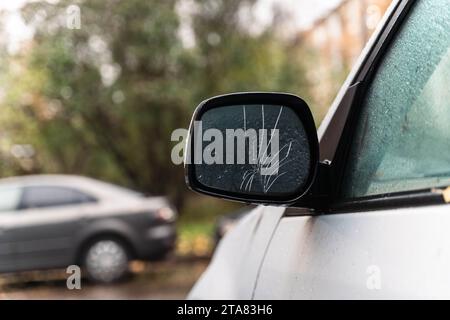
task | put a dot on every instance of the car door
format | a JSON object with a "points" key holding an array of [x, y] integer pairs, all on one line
{"points": [[9, 201], [6, 253], [384, 231], [46, 226]]}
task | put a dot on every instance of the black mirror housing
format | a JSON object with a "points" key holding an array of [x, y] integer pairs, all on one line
{"points": [[252, 147]]}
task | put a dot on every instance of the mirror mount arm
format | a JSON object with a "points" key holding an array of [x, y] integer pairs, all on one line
{"points": [[318, 197]]}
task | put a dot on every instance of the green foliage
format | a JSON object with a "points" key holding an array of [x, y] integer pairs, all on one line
{"points": [[103, 100], [230, 59]]}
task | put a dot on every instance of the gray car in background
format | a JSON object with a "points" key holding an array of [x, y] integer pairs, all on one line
{"points": [[53, 221]]}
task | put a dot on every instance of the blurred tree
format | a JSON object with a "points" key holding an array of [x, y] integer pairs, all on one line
{"points": [[102, 100], [232, 56]]}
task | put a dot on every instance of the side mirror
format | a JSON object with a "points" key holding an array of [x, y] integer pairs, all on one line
{"points": [[252, 147]]}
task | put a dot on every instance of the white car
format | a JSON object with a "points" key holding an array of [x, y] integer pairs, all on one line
{"points": [[358, 210]]}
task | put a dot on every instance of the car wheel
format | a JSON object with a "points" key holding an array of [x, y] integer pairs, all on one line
{"points": [[106, 260]]}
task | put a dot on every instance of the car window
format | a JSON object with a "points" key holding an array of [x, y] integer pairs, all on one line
{"points": [[402, 139], [49, 196], [9, 198]]}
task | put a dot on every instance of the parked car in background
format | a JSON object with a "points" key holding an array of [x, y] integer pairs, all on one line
{"points": [[53, 221]]}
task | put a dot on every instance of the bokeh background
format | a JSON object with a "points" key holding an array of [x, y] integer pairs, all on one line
{"points": [[102, 100]]}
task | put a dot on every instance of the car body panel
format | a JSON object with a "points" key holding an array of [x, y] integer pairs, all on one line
{"points": [[7, 262], [43, 237], [387, 254], [233, 270]]}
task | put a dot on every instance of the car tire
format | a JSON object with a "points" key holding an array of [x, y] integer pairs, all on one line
{"points": [[106, 260]]}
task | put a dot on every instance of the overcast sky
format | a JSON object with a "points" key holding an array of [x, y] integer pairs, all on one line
{"points": [[304, 11]]}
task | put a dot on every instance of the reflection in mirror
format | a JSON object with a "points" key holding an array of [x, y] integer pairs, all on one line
{"points": [[252, 149]]}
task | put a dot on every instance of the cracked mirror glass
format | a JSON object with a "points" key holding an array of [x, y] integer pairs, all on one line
{"points": [[252, 149]]}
